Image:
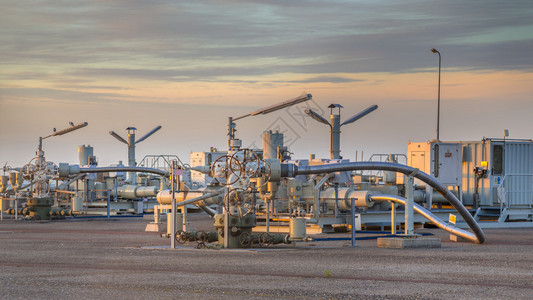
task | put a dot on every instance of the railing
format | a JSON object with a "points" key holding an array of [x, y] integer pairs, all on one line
{"points": [[381, 158], [515, 190], [161, 162]]}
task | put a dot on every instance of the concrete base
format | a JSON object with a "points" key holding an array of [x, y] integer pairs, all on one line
{"points": [[155, 227], [455, 238], [400, 243]]}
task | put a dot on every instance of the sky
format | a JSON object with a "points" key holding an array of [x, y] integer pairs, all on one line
{"points": [[189, 65]]}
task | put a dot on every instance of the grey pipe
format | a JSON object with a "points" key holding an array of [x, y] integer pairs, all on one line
{"points": [[124, 169], [385, 166], [316, 192], [208, 210], [206, 196], [431, 217], [65, 185], [335, 138]]}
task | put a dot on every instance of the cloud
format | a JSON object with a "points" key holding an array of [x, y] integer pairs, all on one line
{"points": [[247, 38], [58, 95], [324, 79]]}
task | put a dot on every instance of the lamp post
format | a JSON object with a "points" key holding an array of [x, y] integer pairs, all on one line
{"points": [[438, 97]]}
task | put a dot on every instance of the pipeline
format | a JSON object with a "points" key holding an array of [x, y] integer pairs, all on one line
{"points": [[316, 193], [206, 196], [206, 209], [65, 185], [385, 166], [124, 169], [135, 191], [431, 217]]}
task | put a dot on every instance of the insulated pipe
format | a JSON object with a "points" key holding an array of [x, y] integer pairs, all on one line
{"points": [[431, 217], [135, 191], [124, 169], [291, 169]]}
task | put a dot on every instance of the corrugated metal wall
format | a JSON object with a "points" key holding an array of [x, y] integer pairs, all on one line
{"points": [[518, 160], [473, 154]]}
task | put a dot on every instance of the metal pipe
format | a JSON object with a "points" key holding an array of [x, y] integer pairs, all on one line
{"points": [[431, 217], [206, 196], [336, 200], [316, 194], [438, 97], [409, 206], [360, 115], [131, 154], [393, 218], [124, 169], [65, 185], [384, 166], [61, 132], [173, 205], [108, 203], [335, 137], [21, 188], [353, 223], [208, 210], [136, 192]]}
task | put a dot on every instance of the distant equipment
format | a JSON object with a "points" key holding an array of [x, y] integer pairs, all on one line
{"points": [[39, 172], [131, 145], [335, 125], [234, 143]]}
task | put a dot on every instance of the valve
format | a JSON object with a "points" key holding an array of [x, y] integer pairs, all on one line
{"points": [[250, 162], [245, 239], [223, 167], [238, 202], [265, 239], [180, 236], [480, 172]]}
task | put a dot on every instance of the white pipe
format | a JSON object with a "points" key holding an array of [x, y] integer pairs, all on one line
{"points": [[431, 217]]}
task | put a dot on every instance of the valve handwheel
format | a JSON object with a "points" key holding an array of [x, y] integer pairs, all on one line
{"points": [[227, 165], [180, 236], [245, 239], [250, 162], [239, 199]]}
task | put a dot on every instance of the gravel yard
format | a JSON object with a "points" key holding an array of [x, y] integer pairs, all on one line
{"points": [[115, 258]]}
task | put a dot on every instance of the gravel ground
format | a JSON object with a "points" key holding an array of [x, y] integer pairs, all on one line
{"points": [[95, 259]]}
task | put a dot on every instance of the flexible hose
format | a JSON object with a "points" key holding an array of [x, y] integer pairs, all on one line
{"points": [[385, 166]]}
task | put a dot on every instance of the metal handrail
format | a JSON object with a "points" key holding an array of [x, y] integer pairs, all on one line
{"points": [[504, 199], [152, 161], [373, 174]]}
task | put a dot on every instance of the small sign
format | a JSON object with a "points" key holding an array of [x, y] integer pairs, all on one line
{"points": [[484, 164], [497, 180], [452, 219]]}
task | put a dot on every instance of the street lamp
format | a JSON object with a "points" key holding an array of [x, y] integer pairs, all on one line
{"points": [[438, 99]]}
